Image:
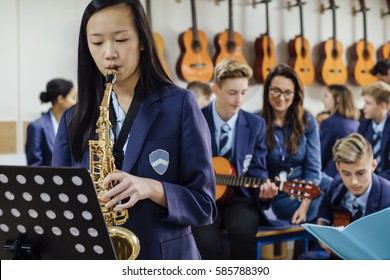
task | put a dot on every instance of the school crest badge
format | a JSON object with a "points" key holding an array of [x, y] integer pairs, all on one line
{"points": [[159, 160], [247, 162]]}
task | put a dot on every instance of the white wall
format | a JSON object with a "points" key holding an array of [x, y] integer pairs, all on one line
{"points": [[39, 42]]}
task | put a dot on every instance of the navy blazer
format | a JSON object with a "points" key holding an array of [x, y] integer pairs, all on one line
{"points": [[365, 129], [250, 150], [378, 199], [40, 141], [331, 129], [168, 122]]}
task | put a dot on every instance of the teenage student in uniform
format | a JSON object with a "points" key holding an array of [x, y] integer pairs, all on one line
{"points": [[375, 126], [293, 143], [41, 132], [338, 100], [166, 180], [357, 190], [239, 137]]}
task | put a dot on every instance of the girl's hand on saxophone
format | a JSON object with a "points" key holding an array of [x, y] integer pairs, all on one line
{"points": [[132, 187]]}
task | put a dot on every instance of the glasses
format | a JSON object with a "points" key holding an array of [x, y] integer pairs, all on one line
{"points": [[276, 92]]}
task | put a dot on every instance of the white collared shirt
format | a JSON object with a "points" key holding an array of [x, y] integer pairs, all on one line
{"points": [[120, 118]]}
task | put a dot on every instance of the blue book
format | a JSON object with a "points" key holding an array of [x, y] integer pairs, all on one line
{"points": [[365, 239]]}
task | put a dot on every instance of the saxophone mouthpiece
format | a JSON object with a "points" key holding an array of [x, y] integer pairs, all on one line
{"points": [[111, 76]]}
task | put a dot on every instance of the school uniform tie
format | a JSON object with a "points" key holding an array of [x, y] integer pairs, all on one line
{"points": [[357, 208], [225, 150], [376, 149]]}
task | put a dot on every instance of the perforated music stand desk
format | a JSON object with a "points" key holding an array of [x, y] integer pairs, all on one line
{"points": [[51, 213]]}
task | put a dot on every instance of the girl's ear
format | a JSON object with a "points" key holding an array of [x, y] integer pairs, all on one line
{"points": [[60, 99]]}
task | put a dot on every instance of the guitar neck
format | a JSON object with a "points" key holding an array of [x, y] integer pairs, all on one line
{"points": [[301, 23], [365, 29], [267, 19], [149, 12], [231, 30], [364, 9], [334, 28], [267, 25], [238, 181], [194, 22]]}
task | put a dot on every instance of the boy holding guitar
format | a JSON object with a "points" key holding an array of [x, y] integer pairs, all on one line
{"points": [[238, 136], [357, 191]]}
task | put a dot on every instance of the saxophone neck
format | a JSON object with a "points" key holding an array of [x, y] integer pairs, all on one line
{"points": [[110, 81]]}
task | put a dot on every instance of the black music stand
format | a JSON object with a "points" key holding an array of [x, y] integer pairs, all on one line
{"points": [[51, 213]]}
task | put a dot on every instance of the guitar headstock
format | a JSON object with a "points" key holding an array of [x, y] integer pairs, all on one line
{"points": [[300, 189], [383, 13], [363, 8], [332, 6], [362, 4], [298, 3], [255, 2]]}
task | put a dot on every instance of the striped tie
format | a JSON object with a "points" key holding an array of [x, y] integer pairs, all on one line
{"points": [[376, 149], [357, 209], [224, 149]]}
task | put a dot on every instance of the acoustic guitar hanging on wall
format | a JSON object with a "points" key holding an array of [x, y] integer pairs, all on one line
{"points": [[227, 180], [299, 50], [331, 68], [362, 54], [228, 44], [264, 49], [194, 63]]}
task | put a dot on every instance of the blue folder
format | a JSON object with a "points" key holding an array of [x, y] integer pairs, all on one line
{"points": [[365, 239]]}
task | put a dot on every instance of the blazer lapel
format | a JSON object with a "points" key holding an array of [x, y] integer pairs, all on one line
{"points": [[385, 138], [142, 123], [374, 197], [208, 114], [339, 195]]}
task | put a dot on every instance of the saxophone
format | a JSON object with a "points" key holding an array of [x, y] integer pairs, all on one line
{"points": [[102, 163]]}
